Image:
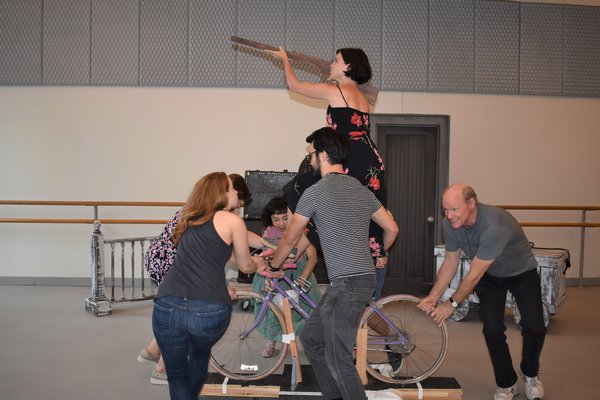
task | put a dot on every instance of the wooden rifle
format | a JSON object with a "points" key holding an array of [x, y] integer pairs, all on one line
{"points": [[322, 65]]}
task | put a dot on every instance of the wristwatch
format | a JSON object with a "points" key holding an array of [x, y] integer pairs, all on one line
{"points": [[273, 269], [453, 302]]}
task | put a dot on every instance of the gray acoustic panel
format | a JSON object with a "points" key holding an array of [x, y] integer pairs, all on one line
{"points": [[497, 47], [66, 42], [310, 31], [582, 51], [541, 49], [451, 45], [163, 42], [21, 42], [405, 45], [115, 42], [212, 55], [263, 21], [358, 24]]}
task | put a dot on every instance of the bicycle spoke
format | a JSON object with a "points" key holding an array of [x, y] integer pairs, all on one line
{"points": [[241, 358]]}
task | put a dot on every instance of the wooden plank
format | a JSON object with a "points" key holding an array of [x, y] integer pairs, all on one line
{"points": [[213, 389], [361, 355], [450, 394], [290, 330]]}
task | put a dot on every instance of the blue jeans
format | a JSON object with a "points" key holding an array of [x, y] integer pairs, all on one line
{"points": [[329, 336], [380, 274], [526, 289], [186, 330]]}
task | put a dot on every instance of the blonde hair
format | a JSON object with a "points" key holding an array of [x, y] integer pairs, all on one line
{"points": [[208, 196]]}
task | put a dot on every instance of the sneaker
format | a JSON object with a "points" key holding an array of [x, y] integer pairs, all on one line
{"points": [[534, 390], [506, 393], [158, 378], [384, 369], [146, 358], [269, 350]]}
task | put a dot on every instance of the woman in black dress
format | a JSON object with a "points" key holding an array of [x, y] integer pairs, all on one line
{"points": [[347, 113]]}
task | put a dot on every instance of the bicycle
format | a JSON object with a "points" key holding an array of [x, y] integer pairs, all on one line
{"points": [[404, 345]]}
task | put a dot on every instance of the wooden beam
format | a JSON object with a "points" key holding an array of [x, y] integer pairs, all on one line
{"points": [[213, 389]]}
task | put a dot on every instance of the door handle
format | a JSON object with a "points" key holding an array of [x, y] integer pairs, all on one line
{"points": [[431, 220]]}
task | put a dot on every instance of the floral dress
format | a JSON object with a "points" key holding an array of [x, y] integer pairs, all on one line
{"points": [[363, 161], [270, 327]]}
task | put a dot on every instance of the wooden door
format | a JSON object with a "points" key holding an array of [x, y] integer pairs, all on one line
{"points": [[415, 152]]}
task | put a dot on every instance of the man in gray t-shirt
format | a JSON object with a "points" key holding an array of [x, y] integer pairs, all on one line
{"points": [[502, 260], [342, 209]]}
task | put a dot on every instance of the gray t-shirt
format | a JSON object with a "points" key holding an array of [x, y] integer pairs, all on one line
{"points": [[341, 208], [496, 236]]}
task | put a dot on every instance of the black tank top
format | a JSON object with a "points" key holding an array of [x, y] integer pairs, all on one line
{"points": [[199, 268]]}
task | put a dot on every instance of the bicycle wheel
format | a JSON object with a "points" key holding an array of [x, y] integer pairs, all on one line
{"points": [[240, 357], [390, 361]]}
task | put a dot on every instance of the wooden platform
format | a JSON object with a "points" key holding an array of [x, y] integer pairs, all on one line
{"points": [[279, 386]]}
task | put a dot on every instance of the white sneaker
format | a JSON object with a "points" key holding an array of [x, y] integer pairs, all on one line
{"points": [[146, 358], [534, 390], [158, 378], [507, 393], [384, 369]]}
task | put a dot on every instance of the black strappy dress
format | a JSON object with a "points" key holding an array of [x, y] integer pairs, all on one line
{"points": [[363, 162]]}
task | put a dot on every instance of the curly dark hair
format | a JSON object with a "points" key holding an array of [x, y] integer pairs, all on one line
{"points": [[277, 205]]}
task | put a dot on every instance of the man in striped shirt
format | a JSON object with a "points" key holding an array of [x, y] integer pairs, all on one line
{"points": [[341, 208]]}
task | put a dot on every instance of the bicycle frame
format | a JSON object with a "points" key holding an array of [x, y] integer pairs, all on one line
{"points": [[400, 339]]}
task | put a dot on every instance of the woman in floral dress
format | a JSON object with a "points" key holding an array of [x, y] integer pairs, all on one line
{"points": [[348, 114]]}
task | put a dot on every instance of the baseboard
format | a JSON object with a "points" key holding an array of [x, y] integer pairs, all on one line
{"points": [[585, 282]]}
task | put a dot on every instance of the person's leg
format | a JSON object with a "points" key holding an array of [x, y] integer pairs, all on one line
{"points": [[153, 348], [168, 324], [380, 274], [526, 289], [207, 322], [160, 366], [351, 295], [149, 354], [492, 302], [314, 347]]}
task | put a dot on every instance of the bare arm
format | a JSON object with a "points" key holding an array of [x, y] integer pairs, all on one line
{"points": [[239, 236], [390, 229], [291, 237], [466, 286], [302, 246], [443, 277], [254, 240], [323, 91], [311, 263]]}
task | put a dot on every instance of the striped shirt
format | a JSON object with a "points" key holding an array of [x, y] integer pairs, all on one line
{"points": [[341, 208]]}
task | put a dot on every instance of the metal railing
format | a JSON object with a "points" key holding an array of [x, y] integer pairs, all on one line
{"points": [[124, 257], [99, 304], [583, 224]]}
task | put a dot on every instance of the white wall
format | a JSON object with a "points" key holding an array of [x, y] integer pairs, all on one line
{"points": [[152, 144]]}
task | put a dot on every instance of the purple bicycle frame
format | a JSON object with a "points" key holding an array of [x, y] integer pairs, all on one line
{"points": [[372, 340]]}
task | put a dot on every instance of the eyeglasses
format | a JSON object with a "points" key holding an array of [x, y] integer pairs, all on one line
{"points": [[309, 155]]}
